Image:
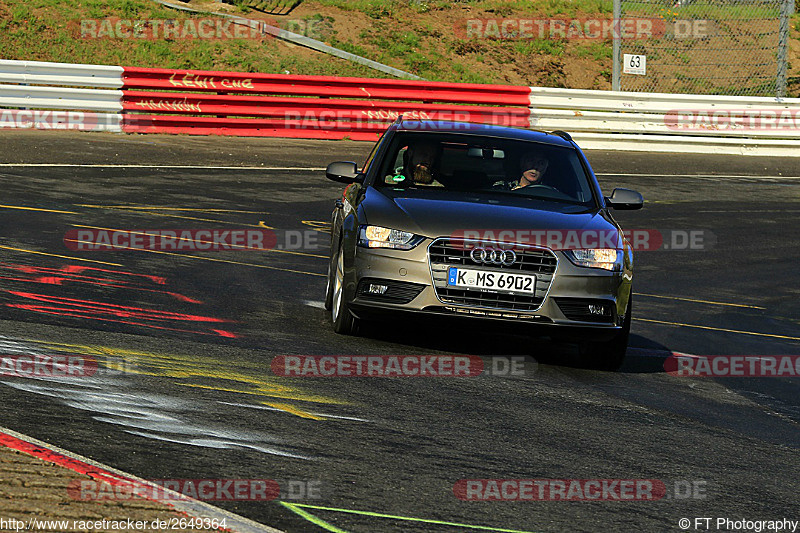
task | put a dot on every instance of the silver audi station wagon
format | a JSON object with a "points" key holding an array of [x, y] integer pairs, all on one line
{"points": [[488, 223]]}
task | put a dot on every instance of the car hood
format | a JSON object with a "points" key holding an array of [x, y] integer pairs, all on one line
{"points": [[443, 213]]}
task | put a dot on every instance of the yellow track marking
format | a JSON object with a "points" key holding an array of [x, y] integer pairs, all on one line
{"points": [[23, 208], [216, 261], [772, 335], [293, 410], [699, 301], [64, 256], [159, 208], [183, 367], [286, 394], [182, 217]]}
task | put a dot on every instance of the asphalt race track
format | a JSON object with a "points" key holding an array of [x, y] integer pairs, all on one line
{"points": [[185, 340]]}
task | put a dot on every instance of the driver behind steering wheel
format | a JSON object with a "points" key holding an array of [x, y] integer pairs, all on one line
{"points": [[532, 165]]}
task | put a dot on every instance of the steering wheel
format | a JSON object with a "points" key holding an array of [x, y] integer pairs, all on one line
{"points": [[542, 186]]}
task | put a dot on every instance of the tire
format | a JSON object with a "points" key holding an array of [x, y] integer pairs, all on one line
{"points": [[343, 320], [608, 355], [329, 286]]}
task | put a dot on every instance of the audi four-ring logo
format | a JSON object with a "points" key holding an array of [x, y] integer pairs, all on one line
{"points": [[490, 256]]}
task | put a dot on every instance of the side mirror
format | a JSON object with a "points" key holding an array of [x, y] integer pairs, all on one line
{"points": [[625, 199], [343, 172]]}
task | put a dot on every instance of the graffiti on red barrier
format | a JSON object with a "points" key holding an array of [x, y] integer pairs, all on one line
{"points": [[193, 80], [175, 105], [392, 115]]}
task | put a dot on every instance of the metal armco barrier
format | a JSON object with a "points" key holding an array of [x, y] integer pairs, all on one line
{"points": [[44, 73], [325, 107], [59, 98], [296, 117], [322, 107], [42, 95], [326, 86], [252, 127]]}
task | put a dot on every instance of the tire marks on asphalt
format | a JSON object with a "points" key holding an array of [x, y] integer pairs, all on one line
{"points": [[115, 395]]}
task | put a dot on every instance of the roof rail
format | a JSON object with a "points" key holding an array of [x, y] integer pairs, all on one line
{"points": [[563, 134]]}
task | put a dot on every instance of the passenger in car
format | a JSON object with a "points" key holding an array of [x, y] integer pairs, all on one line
{"points": [[533, 166], [420, 164]]}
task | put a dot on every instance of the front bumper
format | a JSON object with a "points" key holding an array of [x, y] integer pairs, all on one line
{"points": [[409, 275]]}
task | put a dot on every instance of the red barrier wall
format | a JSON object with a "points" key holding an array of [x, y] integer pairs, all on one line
{"points": [[322, 107]]}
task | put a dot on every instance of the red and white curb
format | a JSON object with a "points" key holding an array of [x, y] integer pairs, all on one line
{"points": [[117, 478]]}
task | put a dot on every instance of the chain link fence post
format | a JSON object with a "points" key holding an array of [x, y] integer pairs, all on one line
{"points": [[615, 69], [787, 10]]}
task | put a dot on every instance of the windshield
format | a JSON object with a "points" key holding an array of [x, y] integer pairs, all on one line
{"points": [[485, 164]]}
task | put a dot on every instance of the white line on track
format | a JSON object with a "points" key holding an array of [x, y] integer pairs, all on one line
{"points": [[320, 169], [199, 167], [699, 176], [317, 169]]}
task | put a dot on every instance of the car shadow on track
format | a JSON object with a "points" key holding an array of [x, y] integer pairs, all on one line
{"points": [[644, 355]]}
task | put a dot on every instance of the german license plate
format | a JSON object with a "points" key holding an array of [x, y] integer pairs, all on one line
{"points": [[495, 281]]}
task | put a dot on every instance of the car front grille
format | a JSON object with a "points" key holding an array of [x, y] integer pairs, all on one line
{"points": [[457, 253], [444, 253]]}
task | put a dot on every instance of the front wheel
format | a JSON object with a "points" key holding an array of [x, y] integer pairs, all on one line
{"points": [[343, 320], [608, 355], [329, 287]]}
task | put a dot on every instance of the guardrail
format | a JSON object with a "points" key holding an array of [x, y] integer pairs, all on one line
{"points": [[146, 100], [42, 95], [44, 73], [233, 98]]}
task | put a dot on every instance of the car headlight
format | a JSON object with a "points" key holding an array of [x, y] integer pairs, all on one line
{"points": [[380, 237], [605, 258]]}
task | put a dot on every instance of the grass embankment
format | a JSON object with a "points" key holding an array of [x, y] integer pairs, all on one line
{"points": [[418, 36]]}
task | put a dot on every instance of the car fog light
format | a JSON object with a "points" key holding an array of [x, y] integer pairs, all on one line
{"points": [[377, 289], [597, 309]]}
